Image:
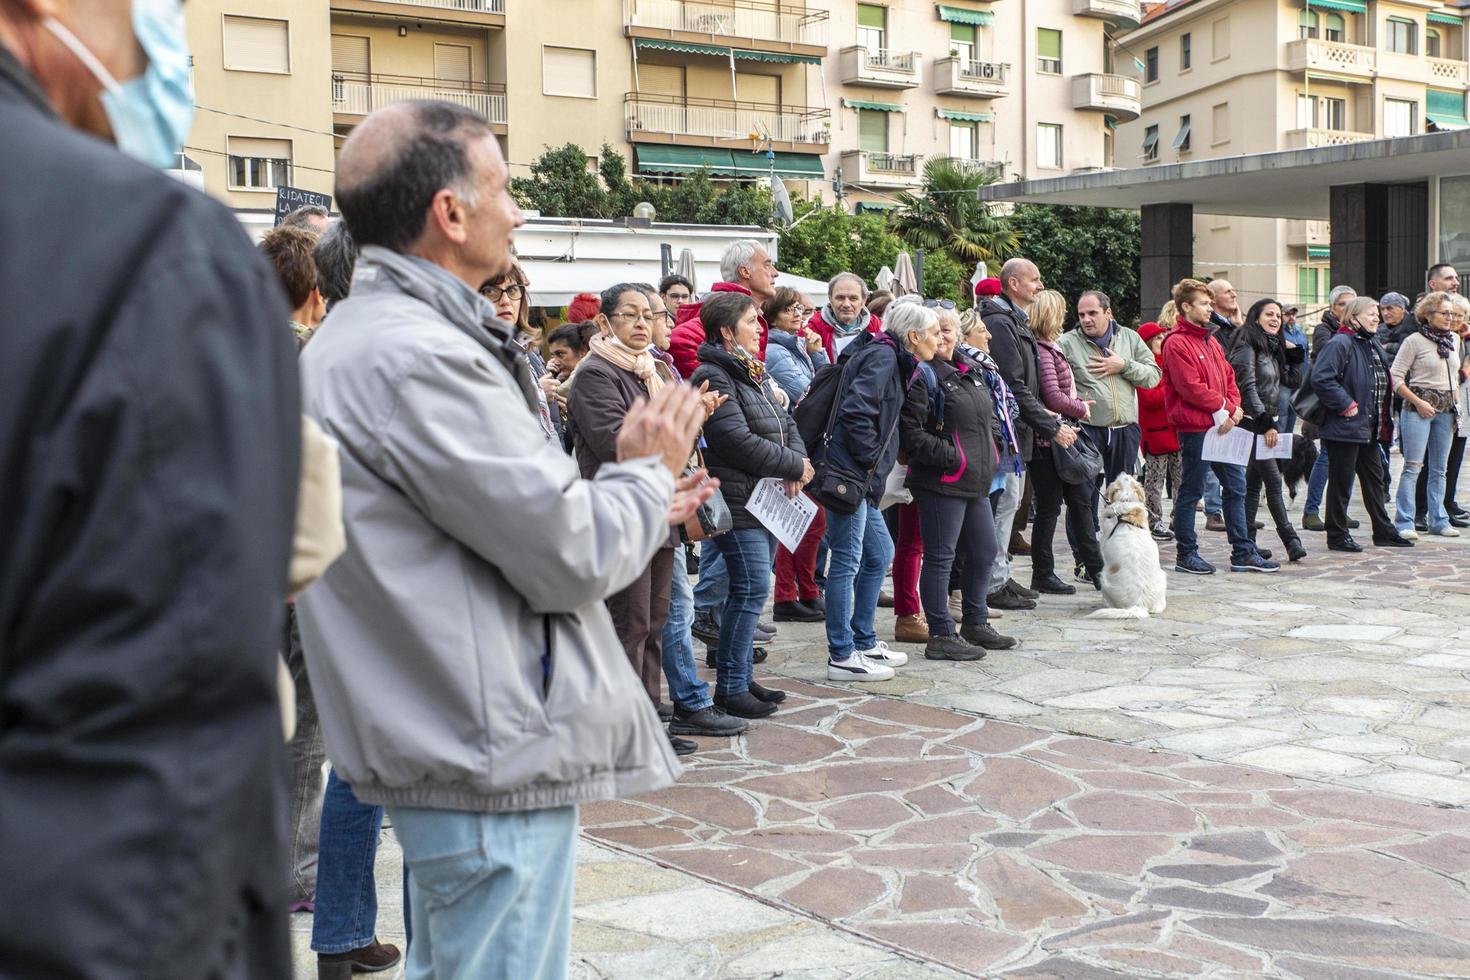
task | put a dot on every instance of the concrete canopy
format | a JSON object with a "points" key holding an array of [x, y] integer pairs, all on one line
{"points": [[1281, 184]]}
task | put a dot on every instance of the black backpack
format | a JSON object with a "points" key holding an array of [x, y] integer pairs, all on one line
{"points": [[817, 408]]}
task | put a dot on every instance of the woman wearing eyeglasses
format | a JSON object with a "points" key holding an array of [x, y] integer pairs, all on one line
{"points": [[619, 370], [1426, 375], [510, 295]]}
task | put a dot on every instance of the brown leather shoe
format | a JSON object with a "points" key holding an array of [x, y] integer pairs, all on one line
{"points": [[911, 629], [1215, 522], [374, 958], [885, 600], [1018, 545]]}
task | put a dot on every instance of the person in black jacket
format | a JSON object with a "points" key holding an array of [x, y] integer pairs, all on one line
{"points": [[748, 438], [150, 425], [1264, 361], [949, 433], [1014, 348], [1351, 378], [1331, 322]]}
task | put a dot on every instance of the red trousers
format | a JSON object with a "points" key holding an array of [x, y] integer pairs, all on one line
{"points": [[795, 573], [908, 557]]}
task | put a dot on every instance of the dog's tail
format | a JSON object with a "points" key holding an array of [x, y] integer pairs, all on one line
{"points": [[1130, 612]]}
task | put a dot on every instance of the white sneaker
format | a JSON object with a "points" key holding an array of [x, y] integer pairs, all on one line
{"points": [[1448, 531], [1409, 535], [858, 668], [880, 654]]}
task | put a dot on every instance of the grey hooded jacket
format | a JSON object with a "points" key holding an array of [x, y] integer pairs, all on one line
{"points": [[460, 652]]}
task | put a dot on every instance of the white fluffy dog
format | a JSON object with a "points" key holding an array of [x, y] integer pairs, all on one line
{"points": [[1132, 581]]}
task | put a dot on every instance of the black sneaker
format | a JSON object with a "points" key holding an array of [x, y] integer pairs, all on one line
{"points": [[818, 603], [767, 694], [1193, 565], [710, 722], [1421, 525], [951, 648], [682, 746], [1397, 541], [744, 705], [1346, 544], [1004, 598], [1460, 520], [704, 628], [1253, 563], [1018, 589], [665, 712], [796, 612], [1051, 585], [986, 636], [758, 655], [1353, 522]]}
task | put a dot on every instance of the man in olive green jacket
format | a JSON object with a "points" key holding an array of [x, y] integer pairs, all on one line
{"points": [[1109, 364]]}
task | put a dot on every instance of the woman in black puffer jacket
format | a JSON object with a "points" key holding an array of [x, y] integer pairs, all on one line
{"points": [[748, 438], [949, 433], [1263, 361]]}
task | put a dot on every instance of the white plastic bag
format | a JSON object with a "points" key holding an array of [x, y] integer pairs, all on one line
{"points": [[894, 492]]}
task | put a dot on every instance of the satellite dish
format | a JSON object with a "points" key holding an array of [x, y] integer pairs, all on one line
{"points": [[781, 200]]}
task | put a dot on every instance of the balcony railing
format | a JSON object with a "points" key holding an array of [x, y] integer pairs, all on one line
{"points": [[1334, 56], [722, 119], [994, 168], [894, 163], [469, 6], [881, 168], [883, 68], [357, 94], [731, 18], [1119, 95], [1443, 71], [1128, 10], [1300, 139], [961, 76]]}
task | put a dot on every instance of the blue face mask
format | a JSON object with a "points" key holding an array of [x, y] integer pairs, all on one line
{"points": [[151, 114]]}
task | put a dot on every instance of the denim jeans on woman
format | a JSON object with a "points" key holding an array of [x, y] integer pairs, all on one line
{"points": [[747, 554], [1191, 488], [861, 553], [1426, 445], [346, 894], [954, 525], [685, 687], [491, 893]]}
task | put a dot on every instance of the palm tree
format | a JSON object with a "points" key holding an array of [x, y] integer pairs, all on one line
{"points": [[947, 216]]}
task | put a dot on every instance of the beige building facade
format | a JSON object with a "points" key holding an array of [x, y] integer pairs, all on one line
{"points": [[1224, 78], [861, 92]]}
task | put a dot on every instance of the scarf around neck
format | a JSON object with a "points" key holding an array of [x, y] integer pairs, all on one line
{"points": [[1007, 409], [1444, 340], [641, 364], [864, 318], [753, 368]]}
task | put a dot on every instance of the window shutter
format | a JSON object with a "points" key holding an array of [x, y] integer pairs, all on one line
{"points": [[260, 149], [764, 89], [350, 54], [873, 131], [963, 33], [257, 44], [872, 15], [1049, 43], [569, 71], [661, 80], [452, 62]]}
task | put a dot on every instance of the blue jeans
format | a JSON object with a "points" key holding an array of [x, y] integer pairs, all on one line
{"points": [[1191, 487], [346, 895], [1317, 482], [491, 893], [713, 587], [862, 550], [685, 688], [747, 554], [1425, 441], [1213, 503], [1286, 411]]}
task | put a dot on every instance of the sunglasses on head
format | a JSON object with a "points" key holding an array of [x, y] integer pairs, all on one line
{"points": [[939, 304]]}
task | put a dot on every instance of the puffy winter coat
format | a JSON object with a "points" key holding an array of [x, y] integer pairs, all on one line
{"points": [[1342, 375], [1198, 380], [791, 365], [864, 437], [688, 332], [750, 437], [1259, 376], [951, 451], [1014, 348]]}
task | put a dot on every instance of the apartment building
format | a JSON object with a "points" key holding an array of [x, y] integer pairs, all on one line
{"points": [[808, 91], [1229, 77]]}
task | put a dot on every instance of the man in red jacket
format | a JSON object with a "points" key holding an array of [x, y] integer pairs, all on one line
{"points": [[746, 268], [1199, 395]]}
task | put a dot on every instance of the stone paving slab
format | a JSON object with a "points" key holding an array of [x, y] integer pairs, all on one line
{"points": [[1000, 849]]}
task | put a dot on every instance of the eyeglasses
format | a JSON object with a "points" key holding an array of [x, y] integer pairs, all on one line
{"points": [[1441, 312], [649, 317], [514, 292], [939, 304], [798, 309]]}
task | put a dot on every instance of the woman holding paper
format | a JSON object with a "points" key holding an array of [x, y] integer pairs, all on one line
{"points": [[748, 438], [1263, 361]]}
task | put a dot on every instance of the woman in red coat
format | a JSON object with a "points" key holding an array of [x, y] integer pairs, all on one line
{"points": [[1160, 441]]}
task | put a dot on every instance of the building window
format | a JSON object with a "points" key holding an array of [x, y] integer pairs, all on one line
{"points": [[1181, 138], [1220, 123], [1048, 51], [1220, 39], [1334, 114], [1307, 22], [569, 71], [1151, 65], [1048, 145], [1432, 44], [872, 25], [1398, 117], [1336, 28], [873, 131], [1151, 143], [1399, 35], [1309, 282], [962, 42], [1186, 45], [257, 44], [258, 164], [963, 143]]}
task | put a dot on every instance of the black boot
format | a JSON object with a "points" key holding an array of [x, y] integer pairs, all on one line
{"points": [[1293, 543]]}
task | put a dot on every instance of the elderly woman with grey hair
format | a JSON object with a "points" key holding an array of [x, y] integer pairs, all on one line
{"points": [[845, 315]]}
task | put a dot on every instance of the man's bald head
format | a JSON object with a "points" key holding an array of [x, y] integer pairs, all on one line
{"points": [[395, 163], [1020, 280], [1222, 294]]}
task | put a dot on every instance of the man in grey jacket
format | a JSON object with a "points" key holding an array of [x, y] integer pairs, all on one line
{"points": [[466, 670]]}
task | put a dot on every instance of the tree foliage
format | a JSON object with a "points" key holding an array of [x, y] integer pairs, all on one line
{"points": [[824, 241], [560, 185], [1081, 248], [947, 216]]}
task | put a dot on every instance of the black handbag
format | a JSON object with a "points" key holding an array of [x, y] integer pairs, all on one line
{"points": [[1308, 406], [711, 519], [1078, 463], [839, 492]]}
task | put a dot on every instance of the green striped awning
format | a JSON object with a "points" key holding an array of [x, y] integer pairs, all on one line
{"points": [[1453, 20], [778, 57], [954, 115], [658, 159], [960, 15], [1110, 121], [1349, 6], [791, 166], [875, 106], [1319, 251], [1445, 109], [876, 207], [682, 47]]}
